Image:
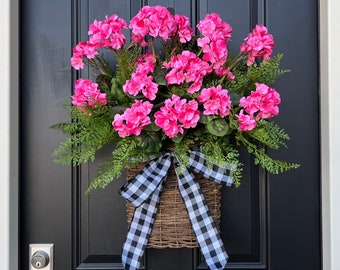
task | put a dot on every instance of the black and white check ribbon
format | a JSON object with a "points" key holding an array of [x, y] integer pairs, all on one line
{"points": [[143, 192]]}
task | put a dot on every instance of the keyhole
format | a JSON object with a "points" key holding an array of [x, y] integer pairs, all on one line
{"points": [[38, 264]]}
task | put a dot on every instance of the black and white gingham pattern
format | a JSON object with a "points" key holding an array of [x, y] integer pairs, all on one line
{"points": [[202, 222], [140, 188], [140, 231], [143, 192], [216, 173]]}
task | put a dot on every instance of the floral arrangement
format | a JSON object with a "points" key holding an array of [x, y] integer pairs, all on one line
{"points": [[171, 90]]}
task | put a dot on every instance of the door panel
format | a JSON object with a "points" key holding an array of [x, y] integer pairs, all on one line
{"points": [[45, 80], [270, 222], [295, 196]]}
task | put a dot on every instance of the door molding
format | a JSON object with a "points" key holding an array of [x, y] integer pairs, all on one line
{"points": [[329, 22], [329, 27], [9, 111]]}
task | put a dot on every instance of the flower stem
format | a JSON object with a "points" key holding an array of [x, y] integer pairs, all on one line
{"points": [[95, 65], [153, 47], [199, 53], [238, 58]]}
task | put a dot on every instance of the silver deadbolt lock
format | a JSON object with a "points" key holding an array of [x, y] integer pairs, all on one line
{"points": [[41, 256], [40, 259]]}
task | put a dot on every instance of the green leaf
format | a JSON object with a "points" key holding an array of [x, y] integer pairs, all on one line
{"points": [[118, 96], [205, 119], [159, 76], [104, 82], [178, 138], [218, 127], [235, 98], [152, 127], [151, 142]]}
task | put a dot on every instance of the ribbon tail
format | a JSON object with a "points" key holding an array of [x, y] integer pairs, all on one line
{"points": [[220, 175], [140, 231], [207, 235]]}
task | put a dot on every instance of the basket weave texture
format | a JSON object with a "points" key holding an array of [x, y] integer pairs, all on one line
{"points": [[172, 227]]}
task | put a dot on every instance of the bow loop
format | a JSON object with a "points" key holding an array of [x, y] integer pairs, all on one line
{"points": [[218, 174], [142, 186]]}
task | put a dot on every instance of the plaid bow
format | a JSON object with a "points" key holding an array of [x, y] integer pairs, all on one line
{"points": [[143, 192]]}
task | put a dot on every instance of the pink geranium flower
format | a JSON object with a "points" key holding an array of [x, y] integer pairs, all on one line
{"points": [[263, 102], [87, 94], [155, 21], [216, 35], [184, 31], [108, 33], [258, 44], [214, 28], [187, 67], [246, 122], [216, 101], [133, 120], [189, 115], [140, 80], [80, 50], [150, 88], [177, 114], [141, 83], [77, 62], [146, 63]]}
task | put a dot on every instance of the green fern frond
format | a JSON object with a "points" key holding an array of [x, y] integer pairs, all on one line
{"points": [[121, 159], [87, 135], [126, 60], [105, 174], [270, 134], [267, 71], [261, 158], [246, 77], [218, 151], [181, 149], [125, 66]]}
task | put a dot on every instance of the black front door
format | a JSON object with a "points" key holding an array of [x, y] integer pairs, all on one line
{"points": [[270, 222]]}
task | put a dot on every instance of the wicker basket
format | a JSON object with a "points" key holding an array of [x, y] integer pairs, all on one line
{"points": [[172, 227]]}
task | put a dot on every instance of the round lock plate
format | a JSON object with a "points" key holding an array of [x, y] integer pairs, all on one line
{"points": [[40, 259]]}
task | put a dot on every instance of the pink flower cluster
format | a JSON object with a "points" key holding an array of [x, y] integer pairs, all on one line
{"points": [[133, 120], [246, 122], [187, 67], [106, 33], [258, 43], [87, 93], [216, 101], [140, 80], [83, 48], [176, 115], [260, 104], [157, 21], [183, 29], [216, 35]]}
